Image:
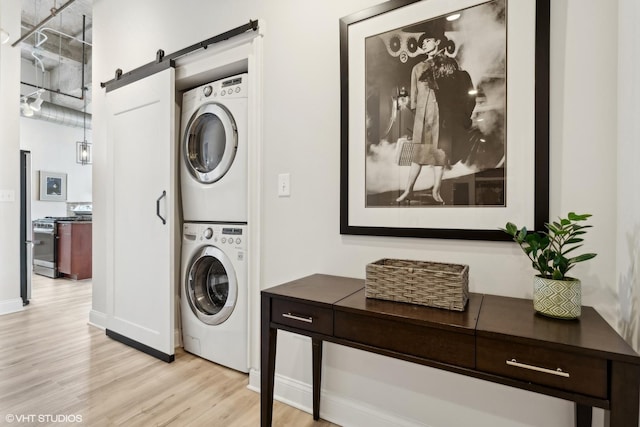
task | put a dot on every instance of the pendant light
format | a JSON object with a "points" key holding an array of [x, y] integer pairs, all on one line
{"points": [[83, 153], [83, 148]]}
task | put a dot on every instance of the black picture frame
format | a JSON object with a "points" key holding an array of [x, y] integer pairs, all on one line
{"points": [[540, 140]]}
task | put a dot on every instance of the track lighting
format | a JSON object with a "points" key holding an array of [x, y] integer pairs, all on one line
{"points": [[37, 104], [26, 109], [4, 36], [29, 107]]}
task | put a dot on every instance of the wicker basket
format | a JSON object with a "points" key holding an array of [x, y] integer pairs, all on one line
{"points": [[433, 284]]}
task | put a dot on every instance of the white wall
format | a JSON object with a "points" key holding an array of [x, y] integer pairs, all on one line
{"points": [[301, 136], [10, 161], [53, 149], [628, 248]]}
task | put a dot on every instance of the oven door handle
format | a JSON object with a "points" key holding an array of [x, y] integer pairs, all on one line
{"points": [[164, 193], [47, 231]]}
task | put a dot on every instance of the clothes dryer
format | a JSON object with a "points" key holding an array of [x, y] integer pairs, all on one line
{"points": [[214, 151], [214, 292]]}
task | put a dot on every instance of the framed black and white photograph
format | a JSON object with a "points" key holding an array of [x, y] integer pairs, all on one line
{"points": [[444, 118], [53, 186]]}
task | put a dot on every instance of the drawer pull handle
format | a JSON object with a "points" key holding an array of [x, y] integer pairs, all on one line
{"points": [[559, 372], [299, 318]]}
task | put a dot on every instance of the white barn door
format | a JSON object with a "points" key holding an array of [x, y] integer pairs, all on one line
{"points": [[141, 216]]}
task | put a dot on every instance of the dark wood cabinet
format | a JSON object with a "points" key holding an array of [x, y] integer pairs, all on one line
{"points": [[309, 317], [497, 339], [74, 249], [414, 330]]}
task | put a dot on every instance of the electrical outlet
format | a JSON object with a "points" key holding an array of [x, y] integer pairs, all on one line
{"points": [[284, 185], [7, 196]]}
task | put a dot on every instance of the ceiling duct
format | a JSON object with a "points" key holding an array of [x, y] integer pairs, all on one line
{"points": [[62, 115]]}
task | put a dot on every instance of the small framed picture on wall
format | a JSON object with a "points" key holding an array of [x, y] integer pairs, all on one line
{"points": [[53, 186]]}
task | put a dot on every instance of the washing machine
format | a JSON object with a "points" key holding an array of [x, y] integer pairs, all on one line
{"points": [[214, 151], [213, 300]]}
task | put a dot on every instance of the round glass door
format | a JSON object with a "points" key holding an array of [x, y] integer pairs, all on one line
{"points": [[211, 286], [210, 143]]}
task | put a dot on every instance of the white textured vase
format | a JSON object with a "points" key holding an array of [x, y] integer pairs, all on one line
{"points": [[561, 299]]}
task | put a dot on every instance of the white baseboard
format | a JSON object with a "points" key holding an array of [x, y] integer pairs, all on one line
{"points": [[11, 306], [254, 380], [333, 408], [98, 319], [177, 338]]}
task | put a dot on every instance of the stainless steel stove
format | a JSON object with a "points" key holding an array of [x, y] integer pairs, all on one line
{"points": [[45, 243]]}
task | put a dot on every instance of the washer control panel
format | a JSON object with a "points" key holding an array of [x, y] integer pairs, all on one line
{"points": [[222, 235]]}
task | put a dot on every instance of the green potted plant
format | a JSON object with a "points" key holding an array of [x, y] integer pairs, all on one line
{"points": [[552, 254]]}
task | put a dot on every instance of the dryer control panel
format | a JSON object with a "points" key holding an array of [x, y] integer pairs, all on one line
{"points": [[232, 235], [232, 87]]}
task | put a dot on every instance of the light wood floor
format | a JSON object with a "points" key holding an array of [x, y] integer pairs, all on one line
{"points": [[53, 365]]}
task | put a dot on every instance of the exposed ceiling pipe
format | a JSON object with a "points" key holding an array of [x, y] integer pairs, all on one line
{"points": [[54, 13], [62, 115]]}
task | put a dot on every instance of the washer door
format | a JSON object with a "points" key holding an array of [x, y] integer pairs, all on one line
{"points": [[211, 286], [210, 143]]}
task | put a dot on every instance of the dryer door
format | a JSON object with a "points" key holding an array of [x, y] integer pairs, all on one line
{"points": [[210, 143], [211, 286]]}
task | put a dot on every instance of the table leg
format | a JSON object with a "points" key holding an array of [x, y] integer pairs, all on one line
{"points": [[317, 376], [268, 340], [625, 395], [583, 415]]}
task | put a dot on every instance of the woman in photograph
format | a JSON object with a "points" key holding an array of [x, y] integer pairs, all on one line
{"points": [[443, 100]]}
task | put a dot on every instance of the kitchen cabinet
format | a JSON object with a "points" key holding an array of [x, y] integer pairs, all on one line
{"points": [[74, 249]]}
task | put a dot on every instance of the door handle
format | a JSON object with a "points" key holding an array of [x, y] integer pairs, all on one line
{"points": [[164, 193]]}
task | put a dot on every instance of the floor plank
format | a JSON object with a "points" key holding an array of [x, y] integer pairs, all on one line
{"points": [[52, 363]]}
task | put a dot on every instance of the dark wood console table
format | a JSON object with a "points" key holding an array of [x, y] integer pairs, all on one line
{"points": [[496, 339]]}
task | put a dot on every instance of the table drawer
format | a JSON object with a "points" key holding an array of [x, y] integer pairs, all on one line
{"points": [[553, 368], [299, 315], [413, 339]]}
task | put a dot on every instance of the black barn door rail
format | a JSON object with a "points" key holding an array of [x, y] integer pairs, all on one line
{"points": [[163, 61]]}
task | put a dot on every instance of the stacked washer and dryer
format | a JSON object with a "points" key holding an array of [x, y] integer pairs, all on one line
{"points": [[214, 289]]}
